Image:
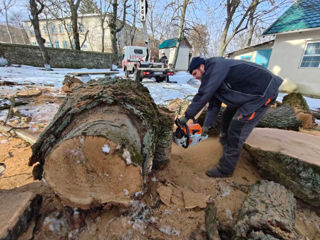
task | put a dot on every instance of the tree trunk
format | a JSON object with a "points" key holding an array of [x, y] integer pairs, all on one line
{"points": [[74, 22], [35, 22], [282, 117], [102, 143], [290, 158], [102, 19], [268, 212], [180, 35]]}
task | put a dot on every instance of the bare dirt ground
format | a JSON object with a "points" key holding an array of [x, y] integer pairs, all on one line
{"points": [[172, 208]]}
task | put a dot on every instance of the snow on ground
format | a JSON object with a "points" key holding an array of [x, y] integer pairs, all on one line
{"points": [[161, 92]]}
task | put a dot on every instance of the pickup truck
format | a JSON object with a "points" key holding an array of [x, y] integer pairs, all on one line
{"points": [[133, 63]]}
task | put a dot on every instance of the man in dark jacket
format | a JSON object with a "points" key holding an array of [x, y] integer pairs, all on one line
{"points": [[164, 59], [246, 88]]}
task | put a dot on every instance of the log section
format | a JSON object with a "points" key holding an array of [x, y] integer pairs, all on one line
{"points": [[102, 142]]}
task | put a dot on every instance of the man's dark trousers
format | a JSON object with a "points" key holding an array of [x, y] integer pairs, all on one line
{"points": [[235, 129]]}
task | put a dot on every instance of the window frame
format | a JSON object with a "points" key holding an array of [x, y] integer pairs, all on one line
{"points": [[303, 55]]}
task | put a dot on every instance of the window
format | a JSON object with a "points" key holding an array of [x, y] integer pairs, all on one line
{"points": [[81, 28], [65, 44], [61, 29], [49, 44], [138, 51], [45, 29], [311, 56], [34, 43], [52, 28], [69, 27], [31, 30], [247, 58], [56, 44]]}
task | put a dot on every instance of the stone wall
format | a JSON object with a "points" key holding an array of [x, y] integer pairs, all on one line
{"points": [[59, 58]]}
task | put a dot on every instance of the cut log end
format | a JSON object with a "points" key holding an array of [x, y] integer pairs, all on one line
{"points": [[101, 172]]}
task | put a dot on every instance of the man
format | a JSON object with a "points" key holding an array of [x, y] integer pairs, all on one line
{"points": [[164, 59], [246, 88]]}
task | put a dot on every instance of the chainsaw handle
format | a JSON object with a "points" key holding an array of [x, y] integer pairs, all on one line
{"points": [[180, 125]]}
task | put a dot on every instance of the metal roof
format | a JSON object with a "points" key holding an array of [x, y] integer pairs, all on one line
{"points": [[303, 14]]}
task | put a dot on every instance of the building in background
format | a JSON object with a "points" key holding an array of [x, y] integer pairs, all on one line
{"points": [[294, 55], [184, 55], [58, 34], [259, 53], [19, 35]]}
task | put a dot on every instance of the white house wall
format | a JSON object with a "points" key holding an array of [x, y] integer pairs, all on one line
{"points": [[285, 62], [183, 57]]}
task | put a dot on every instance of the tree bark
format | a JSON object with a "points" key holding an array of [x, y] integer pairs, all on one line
{"points": [[7, 21], [102, 143], [267, 213], [282, 117], [114, 29], [17, 210], [289, 158], [35, 22], [74, 21]]}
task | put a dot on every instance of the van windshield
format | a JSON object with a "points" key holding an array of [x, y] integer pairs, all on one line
{"points": [[138, 51]]}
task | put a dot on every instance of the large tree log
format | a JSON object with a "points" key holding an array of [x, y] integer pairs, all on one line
{"points": [[17, 209], [102, 142], [267, 213], [282, 117], [290, 158]]}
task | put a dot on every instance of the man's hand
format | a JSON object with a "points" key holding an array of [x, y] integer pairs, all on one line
{"points": [[205, 131], [183, 120]]}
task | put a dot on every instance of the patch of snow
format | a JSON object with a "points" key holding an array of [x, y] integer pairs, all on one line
{"points": [[153, 179], [3, 62], [106, 148], [229, 214], [126, 155], [126, 192], [313, 103], [3, 141], [138, 194], [226, 192], [53, 223], [169, 231]]}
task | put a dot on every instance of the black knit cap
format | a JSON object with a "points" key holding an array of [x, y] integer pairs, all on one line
{"points": [[195, 63]]}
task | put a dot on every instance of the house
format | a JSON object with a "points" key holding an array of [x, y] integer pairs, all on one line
{"points": [[295, 54], [58, 33], [259, 53], [184, 55], [19, 35]]}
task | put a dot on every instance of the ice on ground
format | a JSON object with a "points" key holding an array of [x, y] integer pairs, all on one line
{"points": [[106, 148], [126, 155]]}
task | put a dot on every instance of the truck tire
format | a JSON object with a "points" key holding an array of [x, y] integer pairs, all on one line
{"points": [[126, 73]]}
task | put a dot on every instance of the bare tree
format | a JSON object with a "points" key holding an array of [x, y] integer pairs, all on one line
{"points": [[103, 13], [199, 39], [36, 7], [74, 6], [115, 28], [5, 6], [232, 7]]}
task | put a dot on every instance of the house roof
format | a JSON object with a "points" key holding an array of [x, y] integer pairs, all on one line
{"points": [[303, 14], [260, 45], [170, 43]]}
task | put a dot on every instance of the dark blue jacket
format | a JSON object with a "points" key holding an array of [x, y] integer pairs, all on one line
{"points": [[240, 84]]}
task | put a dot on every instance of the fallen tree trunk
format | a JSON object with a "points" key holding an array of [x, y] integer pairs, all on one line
{"points": [[269, 212], [102, 142], [290, 158], [282, 117], [17, 209]]}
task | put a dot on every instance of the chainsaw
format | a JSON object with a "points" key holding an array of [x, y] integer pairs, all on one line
{"points": [[188, 135]]}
